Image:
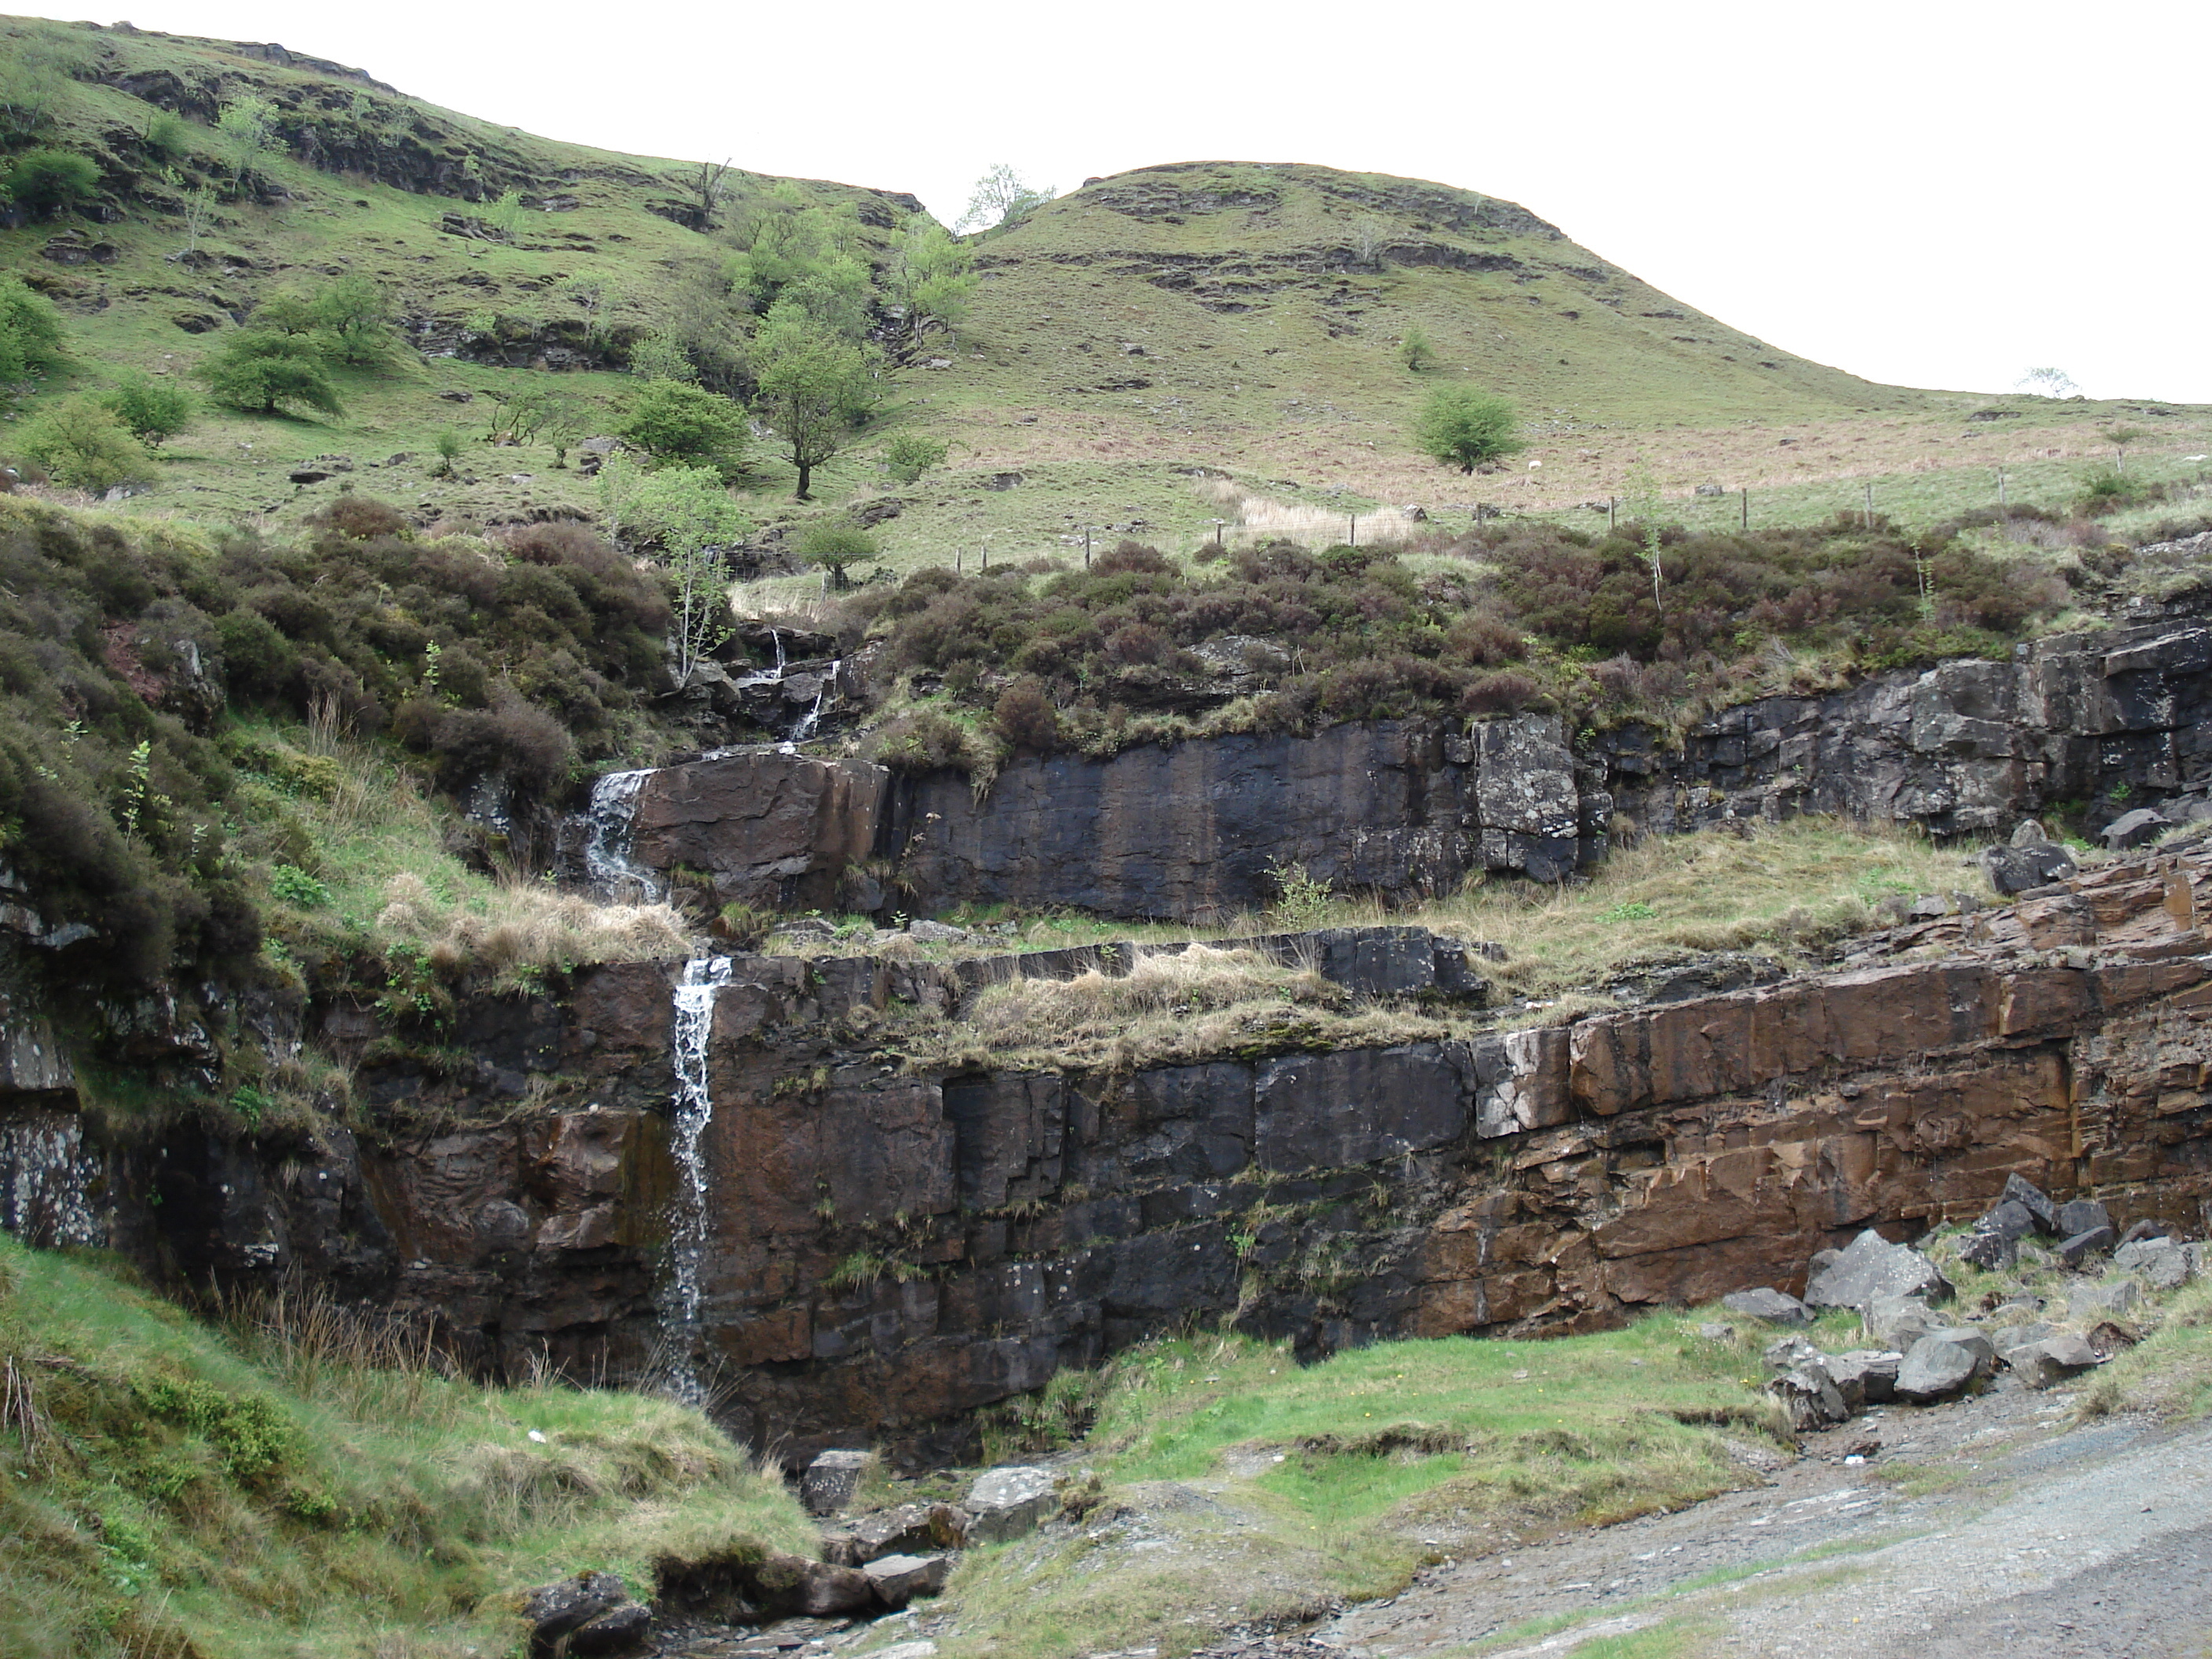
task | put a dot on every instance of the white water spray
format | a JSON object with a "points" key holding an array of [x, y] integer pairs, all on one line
{"points": [[614, 875], [694, 1109]]}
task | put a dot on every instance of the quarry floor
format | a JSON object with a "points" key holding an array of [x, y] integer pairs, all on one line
{"points": [[1994, 1525]]}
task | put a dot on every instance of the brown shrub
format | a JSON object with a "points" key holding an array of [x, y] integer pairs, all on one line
{"points": [[1025, 718]]}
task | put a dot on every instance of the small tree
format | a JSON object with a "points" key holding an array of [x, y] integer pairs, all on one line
{"points": [[199, 215], [691, 516], [1367, 235], [260, 370], [709, 185], [84, 447], [30, 332], [910, 454], [675, 423], [833, 547], [2120, 437], [1414, 350], [155, 410], [448, 444], [246, 132], [505, 214], [1001, 200], [815, 387], [34, 77], [47, 183], [1464, 426], [354, 315], [933, 277], [2048, 382]]}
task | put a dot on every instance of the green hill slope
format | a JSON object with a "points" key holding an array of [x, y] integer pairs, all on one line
{"points": [[1243, 319]]}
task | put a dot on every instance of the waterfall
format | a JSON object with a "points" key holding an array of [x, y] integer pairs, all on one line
{"points": [[693, 1106], [767, 675], [613, 874], [804, 729]]}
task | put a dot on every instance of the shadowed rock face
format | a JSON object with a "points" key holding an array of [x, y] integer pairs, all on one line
{"points": [[1404, 809]]}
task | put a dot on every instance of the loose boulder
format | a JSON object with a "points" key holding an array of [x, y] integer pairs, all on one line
{"points": [[2017, 869], [2083, 1245], [2138, 829], [2120, 1296], [1006, 1503], [564, 1609], [1870, 1266], [618, 1630], [791, 1583], [2163, 1263], [1899, 1321], [2042, 1214], [1810, 1395], [831, 1480], [909, 1529], [1775, 1307], [2053, 1359], [1942, 1363], [899, 1578], [2080, 1215], [1865, 1376]]}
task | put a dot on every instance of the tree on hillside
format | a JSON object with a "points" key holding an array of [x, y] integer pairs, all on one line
{"points": [[933, 277], [261, 371], [1001, 200], [709, 184], [787, 238], [687, 426], [46, 183], [1414, 350], [1464, 426], [815, 387], [34, 77], [82, 444], [246, 131], [2048, 382]]}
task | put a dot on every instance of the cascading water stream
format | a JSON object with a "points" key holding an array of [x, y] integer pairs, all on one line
{"points": [[804, 729], [693, 1106], [614, 875]]}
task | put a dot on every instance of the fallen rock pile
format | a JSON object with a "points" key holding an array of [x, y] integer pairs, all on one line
{"points": [[2071, 1293]]}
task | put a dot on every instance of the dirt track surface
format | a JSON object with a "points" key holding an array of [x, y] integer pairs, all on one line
{"points": [[1981, 1528]]}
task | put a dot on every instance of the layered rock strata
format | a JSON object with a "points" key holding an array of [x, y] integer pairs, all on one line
{"points": [[1204, 830]]}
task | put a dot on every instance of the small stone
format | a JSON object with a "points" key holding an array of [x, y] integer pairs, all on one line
{"points": [[2163, 1262], [1708, 1332], [1992, 1252], [2083, 1245], [937, 932], [1789, 1352], [1775, 1307], [2020, 869], [2030, 832], [556, 1610], [307, 475], [2145, 1228], [2010, 1220]]}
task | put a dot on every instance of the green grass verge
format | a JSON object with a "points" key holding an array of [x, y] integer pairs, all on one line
{"points": [[1238, 1486], [168, 1488]]}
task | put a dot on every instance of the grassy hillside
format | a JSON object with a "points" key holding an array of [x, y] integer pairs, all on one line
{"points": [[1239, 318], [293, 1483]]}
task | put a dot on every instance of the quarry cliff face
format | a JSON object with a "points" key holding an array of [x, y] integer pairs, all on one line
{"points": [[1405, 810], [883, 1249], [718, 1174]]}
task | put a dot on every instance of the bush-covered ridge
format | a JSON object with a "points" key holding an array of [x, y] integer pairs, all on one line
{"points": [[1512, 615], [124, 653]]}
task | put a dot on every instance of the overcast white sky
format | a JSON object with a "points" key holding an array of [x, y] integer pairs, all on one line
{"points": [[1941, 193]]}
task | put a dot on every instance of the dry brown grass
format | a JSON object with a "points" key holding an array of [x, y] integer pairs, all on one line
{"points": [[518, 927], [1171, 1005]]}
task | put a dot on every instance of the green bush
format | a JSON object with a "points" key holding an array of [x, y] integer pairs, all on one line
{"points": [[910, 454], [294, 885], [155, 410], [1464, 426], [46, 183], [834, 546], [30, 331], [686, 425], [262, 370], [83, 444]]}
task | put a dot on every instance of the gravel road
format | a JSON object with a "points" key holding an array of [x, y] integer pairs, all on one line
{"points": [[1982, 1527]]}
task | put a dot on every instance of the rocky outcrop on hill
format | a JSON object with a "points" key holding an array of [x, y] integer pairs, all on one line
{"points": [[1404, 810]]}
